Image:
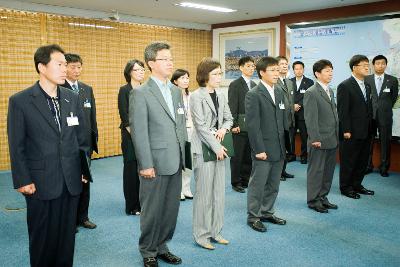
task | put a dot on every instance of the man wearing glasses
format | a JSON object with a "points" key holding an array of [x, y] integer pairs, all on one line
{"points": [[354, 104], [158, 128]]}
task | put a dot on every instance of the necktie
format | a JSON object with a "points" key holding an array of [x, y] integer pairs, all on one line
{"points": [[75, 88], [379, 85], [362, 85], [328, 93], [168, 99]]}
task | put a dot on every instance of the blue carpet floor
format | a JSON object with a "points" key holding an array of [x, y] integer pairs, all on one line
{"points": [[364, 232]]}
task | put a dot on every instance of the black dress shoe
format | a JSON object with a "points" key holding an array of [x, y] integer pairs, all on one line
{"points": [[369, 170], [303, 160], [238, 188], [330, 206], [170, 258], [244, 186], [320, 209], [291, 158], [351, 194], [365, 191], [273, 219], [384, 174], [287, 175], [258, 226], [88, 224], [283, 178], [150, 262]]}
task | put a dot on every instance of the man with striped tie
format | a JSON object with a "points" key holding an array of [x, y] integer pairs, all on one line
{"points": [[88, 104]]}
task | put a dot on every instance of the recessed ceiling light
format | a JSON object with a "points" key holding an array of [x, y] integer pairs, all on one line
{"points": [[206, 7]]}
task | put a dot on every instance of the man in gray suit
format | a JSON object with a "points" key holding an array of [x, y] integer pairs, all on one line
{"points": [[266, 123], [286, 85], [323, 137], [157, 121]]}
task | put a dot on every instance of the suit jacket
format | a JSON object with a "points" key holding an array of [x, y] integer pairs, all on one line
{"points": [[266, 122], [236, 94], [88, 104], [289, 99], [298, 94], [158, 138], [321, 117], [204, 117], [39, 152], [355, 114], [382, 104], [123, 104]]}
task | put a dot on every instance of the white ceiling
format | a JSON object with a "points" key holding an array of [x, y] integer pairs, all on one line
{"points": [[166, 10]]}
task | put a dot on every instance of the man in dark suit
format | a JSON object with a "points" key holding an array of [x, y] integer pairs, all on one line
{"points": [[88, 104], [266, 122], [286, 86], [323, 128], [46, 136], [384, 91], [158, 126], [354, 105], [300, 84], [241, 162]]}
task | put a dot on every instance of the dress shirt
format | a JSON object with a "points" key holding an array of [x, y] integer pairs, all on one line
{"points": [[270, 90], [165, 88]]}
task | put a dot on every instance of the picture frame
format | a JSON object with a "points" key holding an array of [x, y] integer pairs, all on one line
{"points": [[234, 45]]}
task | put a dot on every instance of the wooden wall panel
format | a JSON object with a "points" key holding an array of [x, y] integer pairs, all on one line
{"points": [[105, 47]]}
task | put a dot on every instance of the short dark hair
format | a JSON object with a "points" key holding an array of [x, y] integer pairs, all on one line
{"points": [[204, 68], [244, 60], [150, 52], [356, 59], [73, 58], [279, 58], [43, 54], [379, 57], [177, 74], [128, 68], [297, 63], [264, 62], [320, 65]]}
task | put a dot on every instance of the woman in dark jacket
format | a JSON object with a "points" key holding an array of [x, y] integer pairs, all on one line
{"points": [[134, 75]]}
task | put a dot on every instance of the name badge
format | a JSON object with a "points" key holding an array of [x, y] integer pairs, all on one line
{"points": [[302, 91], [291, 92], [281, 105], [181, 111], [72, 120], [87, 104], [386, 90]]}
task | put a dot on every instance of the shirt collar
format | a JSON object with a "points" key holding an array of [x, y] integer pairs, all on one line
{"points": [[161, 84], [360, 82], [247, 80], [267, 86], [46, 94], [325, 87], [72, 83], [377, 76]]}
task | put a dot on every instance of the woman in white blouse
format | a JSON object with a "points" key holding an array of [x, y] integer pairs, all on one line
{"points": [[181, 79]]}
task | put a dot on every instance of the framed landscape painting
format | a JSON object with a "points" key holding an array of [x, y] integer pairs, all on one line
{"points": [[234, 45]]}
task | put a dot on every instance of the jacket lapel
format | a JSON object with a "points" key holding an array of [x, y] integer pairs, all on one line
{"points": [[40, 102], [65, 108], [208, 99], [265, 92], [244, 84], [153, 87], [323, 93], [357, 88], [282, 85]]}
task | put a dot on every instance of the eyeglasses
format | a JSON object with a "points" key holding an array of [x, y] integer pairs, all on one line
{"points": [[165, 59], [365, 65], [141, 69], [217, 74]]}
